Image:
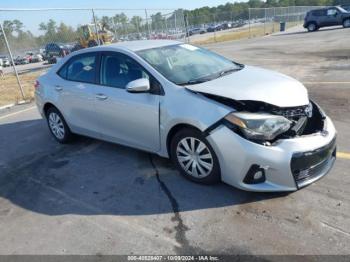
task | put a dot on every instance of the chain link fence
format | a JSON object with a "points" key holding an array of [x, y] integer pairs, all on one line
{"points": [[31, 40], [263, 21], [243, 23]]}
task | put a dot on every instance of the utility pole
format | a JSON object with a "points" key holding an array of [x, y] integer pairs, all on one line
{"points": [[249, 22], [186, 28], [114, 29], [95, 23], [12, 60], [148, 26]]}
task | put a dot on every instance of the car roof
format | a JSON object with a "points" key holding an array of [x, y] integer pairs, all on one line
{"points": [[137, 45], [318, 9], [324, 8]]}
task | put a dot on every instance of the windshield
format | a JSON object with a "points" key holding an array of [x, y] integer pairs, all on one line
{"points": [[186, 64], [342, 9]]}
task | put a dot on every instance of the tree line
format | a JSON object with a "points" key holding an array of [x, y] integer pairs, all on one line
{"points": [[120, 24]]}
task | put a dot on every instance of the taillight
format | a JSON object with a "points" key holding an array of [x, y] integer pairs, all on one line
{"points": [[36, 84]]}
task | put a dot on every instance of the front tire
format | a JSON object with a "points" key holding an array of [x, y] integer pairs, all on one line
{"points": [[58, 126], [194, 157], [346, 23]]}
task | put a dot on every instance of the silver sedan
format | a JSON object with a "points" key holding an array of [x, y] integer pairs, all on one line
{"points": [[218, 120]]}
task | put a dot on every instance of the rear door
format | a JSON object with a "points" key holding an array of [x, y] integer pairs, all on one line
{"points": [[127, 118], [76, 89]]}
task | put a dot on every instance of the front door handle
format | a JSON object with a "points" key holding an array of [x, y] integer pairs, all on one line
{"points": [[101, 97], [58, 88]]}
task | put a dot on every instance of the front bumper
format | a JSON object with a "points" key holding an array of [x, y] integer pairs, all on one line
{"points": [[288, 164]]}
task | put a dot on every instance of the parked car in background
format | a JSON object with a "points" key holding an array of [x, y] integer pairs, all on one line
{"points": [[4, 61], [37, 58], [214, 28], [239, 23], [197, 30], [330, 16], [226, 26], [29, 56], [21, 60], [346, 7], [217, 120], [56, 50]]}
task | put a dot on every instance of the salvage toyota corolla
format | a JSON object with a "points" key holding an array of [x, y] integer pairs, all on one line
{"points": [[216, 119]]}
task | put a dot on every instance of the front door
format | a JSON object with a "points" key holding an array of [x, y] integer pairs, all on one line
{"points": [[126, 118], [332, 17]]}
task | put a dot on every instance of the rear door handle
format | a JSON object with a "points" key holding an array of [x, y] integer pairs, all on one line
{"points": [[58, 88], [101, 97]]}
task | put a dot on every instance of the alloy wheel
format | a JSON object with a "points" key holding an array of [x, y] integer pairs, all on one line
{"points": [[56, 125], [194, 157]]}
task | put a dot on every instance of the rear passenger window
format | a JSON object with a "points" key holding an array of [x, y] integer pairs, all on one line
{"points": [[80, 69], [63, 71], [319, 12]]}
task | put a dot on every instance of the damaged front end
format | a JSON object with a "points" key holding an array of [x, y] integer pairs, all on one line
{"points": [[292, 146], [273, 122]]}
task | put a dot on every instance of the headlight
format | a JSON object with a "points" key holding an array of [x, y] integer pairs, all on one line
{"points": [[259, 126]]}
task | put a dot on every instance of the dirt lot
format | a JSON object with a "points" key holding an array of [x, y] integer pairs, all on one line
{"points": [[9, 88], [93, 197]]}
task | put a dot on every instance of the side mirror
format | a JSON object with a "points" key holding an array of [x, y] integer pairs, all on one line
{"points": [[140, 85]]}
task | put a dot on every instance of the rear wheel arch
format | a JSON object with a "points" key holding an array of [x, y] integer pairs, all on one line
{"points": [[312, 22], [47, 106], [56, 122]]}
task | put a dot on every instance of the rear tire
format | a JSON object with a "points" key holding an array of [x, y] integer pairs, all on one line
{"points": [[194, 157], [58, 126], [346, 23], [312, 27]]}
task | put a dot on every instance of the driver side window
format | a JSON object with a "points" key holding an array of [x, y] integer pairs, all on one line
{"points": [[331, 12]]}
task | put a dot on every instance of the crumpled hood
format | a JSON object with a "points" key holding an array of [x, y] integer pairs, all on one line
{"points": [[256, 84]]}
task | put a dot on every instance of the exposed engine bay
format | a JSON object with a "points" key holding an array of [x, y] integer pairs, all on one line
{"points": [[306, 119]]}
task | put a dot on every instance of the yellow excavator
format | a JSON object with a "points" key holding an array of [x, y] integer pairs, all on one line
{"points": [[89, 38]]}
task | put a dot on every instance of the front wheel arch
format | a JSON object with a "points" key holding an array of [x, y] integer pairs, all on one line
{"points": [[214, 170], [346, 19], [172, 132]]}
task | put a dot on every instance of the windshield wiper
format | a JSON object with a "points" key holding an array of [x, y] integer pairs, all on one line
{"points": [[192, 82], [205, 79], [227, 71]]}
